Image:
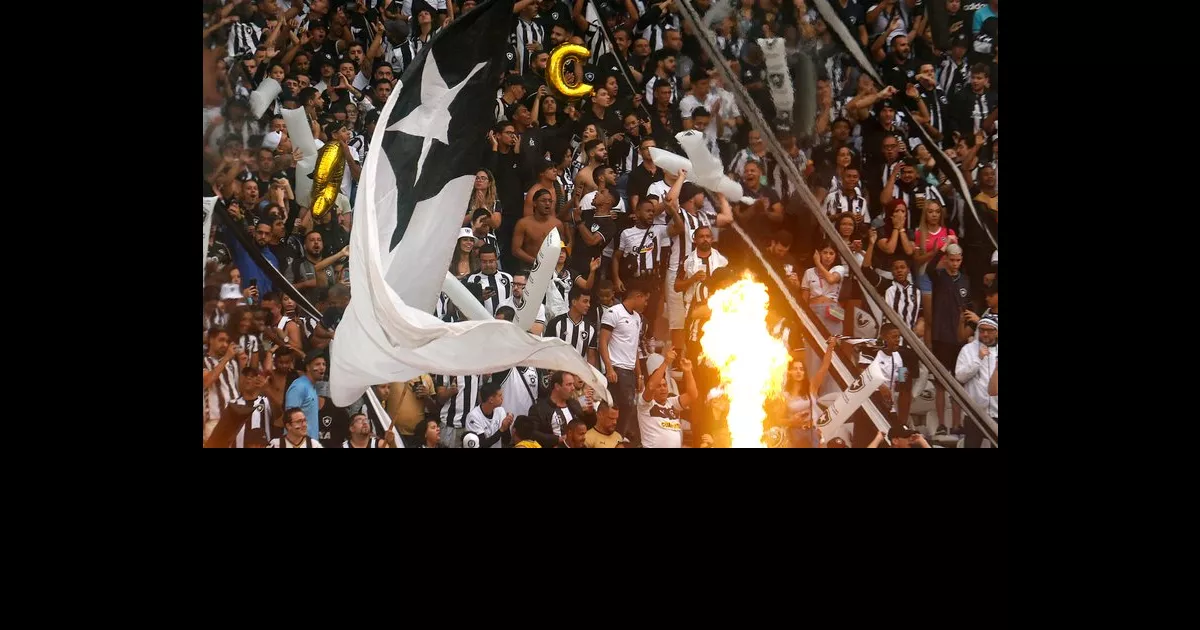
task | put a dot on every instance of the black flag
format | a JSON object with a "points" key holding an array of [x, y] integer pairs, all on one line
{"points": [[438, 127]]}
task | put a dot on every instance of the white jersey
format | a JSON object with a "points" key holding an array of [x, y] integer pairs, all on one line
{"points": [[282, 442], [626, 329], [660, 424], [890, 366], [483, 426]]}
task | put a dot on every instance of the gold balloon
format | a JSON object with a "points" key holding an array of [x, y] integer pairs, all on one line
{"points": [[554, 72], [327, 178]]}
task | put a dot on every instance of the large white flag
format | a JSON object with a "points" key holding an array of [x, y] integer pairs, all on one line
{"points": [[413, 188]]}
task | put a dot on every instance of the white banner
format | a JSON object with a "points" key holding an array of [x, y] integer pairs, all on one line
{"points": [[210, 204], [850, 400], [262, 98], [300, 133], [538, 280], [779, 79]]}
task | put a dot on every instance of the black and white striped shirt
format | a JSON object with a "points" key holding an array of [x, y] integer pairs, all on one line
{"points": [[454, 411], [501, 285], [252, 344], [258, 427], [581, 335], [910, 199], [906, 300], [441, 310], [525, 33], [406, 52], [630, 159], [979, 110], [595, 316], [681, 244], [837, 202], [936, 100], [243, 39], [225, 389], [676, 88], [644, 244], [952, 77], [566, 179]]}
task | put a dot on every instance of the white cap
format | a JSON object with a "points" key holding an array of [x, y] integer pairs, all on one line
{"points": [[272, 140], [466, 233]]}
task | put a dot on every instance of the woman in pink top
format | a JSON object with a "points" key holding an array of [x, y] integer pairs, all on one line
{"points": [[931, 236]]}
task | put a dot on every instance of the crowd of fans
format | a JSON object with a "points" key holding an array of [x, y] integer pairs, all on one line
{"points": [[643, 249]]}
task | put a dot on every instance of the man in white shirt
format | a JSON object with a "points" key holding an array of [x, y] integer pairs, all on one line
{"points": [[658, 411], [976, 362], [620, 331], [891, 364], [297, 432], [488, 419]]}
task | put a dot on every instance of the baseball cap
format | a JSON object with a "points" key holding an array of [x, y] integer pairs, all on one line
{"points": [[902, 431]]}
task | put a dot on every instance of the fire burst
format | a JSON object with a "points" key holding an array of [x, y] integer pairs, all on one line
{"points": [[752, 363]]}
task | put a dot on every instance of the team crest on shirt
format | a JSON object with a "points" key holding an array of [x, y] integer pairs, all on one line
{"points": [[962, 292], [583, 335], [509, 55], [326, 421], [554, 15], [589, 77], [853, 20], [595, 227], [504, 280], [532, 141]]}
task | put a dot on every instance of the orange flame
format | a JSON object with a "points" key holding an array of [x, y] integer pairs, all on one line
{"points": [[753, 364]]}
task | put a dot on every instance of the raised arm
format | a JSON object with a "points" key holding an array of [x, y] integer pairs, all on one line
{"points": [[724, 211], [814, 383]]}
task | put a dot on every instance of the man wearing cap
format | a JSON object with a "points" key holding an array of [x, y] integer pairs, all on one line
{"points": [[303, 395], [906, 437], [951, 305], [976, 363]]}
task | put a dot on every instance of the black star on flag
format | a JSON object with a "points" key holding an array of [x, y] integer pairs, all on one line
{"points": [[438, 124]]}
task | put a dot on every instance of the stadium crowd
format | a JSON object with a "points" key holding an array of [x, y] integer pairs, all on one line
{"points": [[643, 248]]}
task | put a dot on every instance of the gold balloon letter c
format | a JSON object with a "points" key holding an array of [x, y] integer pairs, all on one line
{"points": [[554, 73]]}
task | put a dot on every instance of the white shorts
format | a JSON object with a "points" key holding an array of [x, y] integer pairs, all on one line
{"points": [[676, 311]]}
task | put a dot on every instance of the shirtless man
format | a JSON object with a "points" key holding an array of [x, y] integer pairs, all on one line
{"points": [[547, 173], [277, 383], [529, 232], [597, 154]]}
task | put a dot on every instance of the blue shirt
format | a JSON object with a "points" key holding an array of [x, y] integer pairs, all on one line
{"points": [[981, 16], [302, 394], [249, 269]]}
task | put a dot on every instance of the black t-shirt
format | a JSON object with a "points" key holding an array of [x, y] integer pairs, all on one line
{"points": [[853, 15], [611, 123], [640, 180], [583, 254], [511, 180], [761, 228], [335, 425], [899, 75]]}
